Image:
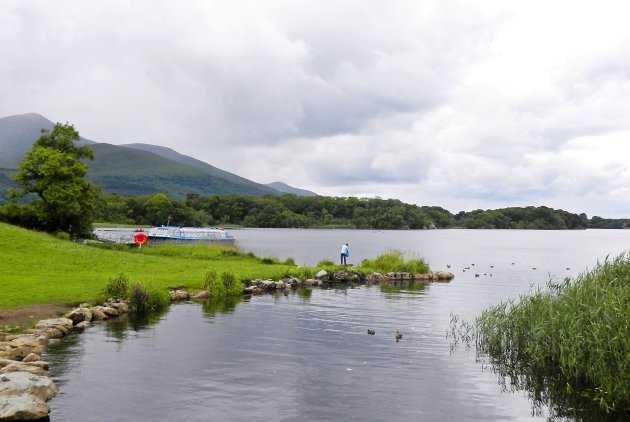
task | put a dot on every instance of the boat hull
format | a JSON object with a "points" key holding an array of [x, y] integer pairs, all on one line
{"points": [[162, 239]]}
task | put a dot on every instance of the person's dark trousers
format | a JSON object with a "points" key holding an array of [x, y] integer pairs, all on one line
{"points": [[343, 259]]}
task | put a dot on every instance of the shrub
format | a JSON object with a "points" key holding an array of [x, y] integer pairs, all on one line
{"points": [[222, 286], [289, 261], [117, 287], [62, 235], [269, 261], [230, 252], [145, 300], [395, 261], [326, 263]]}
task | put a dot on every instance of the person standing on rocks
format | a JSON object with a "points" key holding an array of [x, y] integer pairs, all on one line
{"points": [[345, 253]]}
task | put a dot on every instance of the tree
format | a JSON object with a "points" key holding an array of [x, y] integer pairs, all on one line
{"points": [[53, 171]]}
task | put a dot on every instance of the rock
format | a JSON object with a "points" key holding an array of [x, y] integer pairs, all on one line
{"points": [[16, 353], [27, 340], [293, 281], [340, 276], [267, 284], [443, 275], [19, 366], [54, 333], [279, 285], [56, 323], [121, 307], [22, 407], [322, 275], [83, 324], [98, 314], [19, 382], [108, 310], [201, 295], [38, 364], [310, 282], [179, 295], [79, 315], [31, 357]]}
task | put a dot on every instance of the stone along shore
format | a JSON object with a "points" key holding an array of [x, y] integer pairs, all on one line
{"points": [[25, 386]]}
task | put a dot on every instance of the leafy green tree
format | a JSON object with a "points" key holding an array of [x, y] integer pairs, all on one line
{"points": [[54, 172]]}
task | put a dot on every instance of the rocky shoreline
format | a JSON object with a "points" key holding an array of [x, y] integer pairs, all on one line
{"points": [[25, 386]]}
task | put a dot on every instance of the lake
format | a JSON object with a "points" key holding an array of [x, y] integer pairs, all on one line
{"points": [[307, 355]]}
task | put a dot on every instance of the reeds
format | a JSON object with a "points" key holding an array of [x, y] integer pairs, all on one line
{"points": [[568, 344]]}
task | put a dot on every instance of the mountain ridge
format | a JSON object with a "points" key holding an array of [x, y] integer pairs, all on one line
{"points": [[145, 169]]}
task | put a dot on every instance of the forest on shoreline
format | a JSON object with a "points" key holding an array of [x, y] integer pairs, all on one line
{"points": [[291, 211]]}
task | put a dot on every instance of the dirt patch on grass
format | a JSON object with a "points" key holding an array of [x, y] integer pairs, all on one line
{"points": [[26, 314]]}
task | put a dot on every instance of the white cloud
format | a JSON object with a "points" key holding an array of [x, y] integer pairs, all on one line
{"points": [[465, 104]]}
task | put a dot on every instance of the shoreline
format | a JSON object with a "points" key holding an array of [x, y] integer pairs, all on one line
{"points": [[25, 386]]}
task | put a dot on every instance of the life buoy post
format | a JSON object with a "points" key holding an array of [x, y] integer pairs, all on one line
{"points": [[140, 239]]}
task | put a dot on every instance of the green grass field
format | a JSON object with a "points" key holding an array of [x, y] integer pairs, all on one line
{"points": [[39, 268]]}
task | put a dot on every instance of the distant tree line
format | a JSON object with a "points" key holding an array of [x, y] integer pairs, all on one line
{"points": [[321, 211], [53, 195]]}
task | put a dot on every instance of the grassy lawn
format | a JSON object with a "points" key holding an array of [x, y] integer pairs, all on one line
{"points": [[39, 268]]}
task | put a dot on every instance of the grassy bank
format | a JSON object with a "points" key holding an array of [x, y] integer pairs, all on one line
{"points": [[570, 346], [39, 268]]}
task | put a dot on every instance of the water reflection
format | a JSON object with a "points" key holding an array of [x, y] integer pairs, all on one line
{"points": [[119, 328], [404, 288], [214, 306], [304, 294], [548, 389]]}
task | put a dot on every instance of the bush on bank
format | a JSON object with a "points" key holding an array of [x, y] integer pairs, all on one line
{"points": [[395, 261]]}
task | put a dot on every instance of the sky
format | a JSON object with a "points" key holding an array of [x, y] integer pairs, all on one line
{"points": [[463, 104]]}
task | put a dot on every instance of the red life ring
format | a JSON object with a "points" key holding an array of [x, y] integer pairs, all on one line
{"points": [[140, 239]]}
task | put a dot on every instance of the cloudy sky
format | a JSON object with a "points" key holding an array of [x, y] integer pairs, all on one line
{"points": [[462, 104]]}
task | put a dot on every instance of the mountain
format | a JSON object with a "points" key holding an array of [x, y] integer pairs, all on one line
{"points": [[132, 170], [202, 165], [17, 135], [284, 188]]}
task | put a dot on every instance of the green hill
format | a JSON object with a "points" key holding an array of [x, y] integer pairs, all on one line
{"points": [[143, 169], [133, 172]]}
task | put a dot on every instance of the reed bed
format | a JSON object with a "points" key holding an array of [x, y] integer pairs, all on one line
{"points": [[569, 345]]}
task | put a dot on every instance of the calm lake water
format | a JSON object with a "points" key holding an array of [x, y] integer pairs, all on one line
{"points": [[307, 356]]}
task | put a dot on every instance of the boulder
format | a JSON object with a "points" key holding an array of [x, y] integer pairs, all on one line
{"points": [[204, 294], [58, 323], [19, 366], [109, 311], [279, 285], [79, 315], [340, 276], [98, 314], [83, 324], [443, 275], [38, 364], [19, 383], [31, 357], [322, 275], [16, 353], [267, 284], [179, 295], [22, 408]]}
